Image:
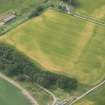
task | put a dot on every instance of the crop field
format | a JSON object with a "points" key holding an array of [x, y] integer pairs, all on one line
{"points": [[9, 95], [58, 41]]}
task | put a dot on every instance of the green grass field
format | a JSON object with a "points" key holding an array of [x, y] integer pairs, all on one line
{"points": [[58, 42], [88, 6], [33, 38], [9, 95]]}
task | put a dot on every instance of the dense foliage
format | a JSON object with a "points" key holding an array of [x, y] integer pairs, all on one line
{"points": [[15, 64], [37, 11]]}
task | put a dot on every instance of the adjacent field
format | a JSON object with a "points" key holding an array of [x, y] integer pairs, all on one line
{"points": [[95, 98], [9, 95], [18, 5], [88, 6]]}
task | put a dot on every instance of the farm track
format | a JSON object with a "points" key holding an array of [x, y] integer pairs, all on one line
{"points": [[17, 85], [89, 19]]}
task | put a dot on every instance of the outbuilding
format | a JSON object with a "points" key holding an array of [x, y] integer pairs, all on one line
{"points": [[9, 18]]}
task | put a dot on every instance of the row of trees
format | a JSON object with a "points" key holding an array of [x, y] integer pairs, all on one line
{"points": [[38, 10], [13, 63]]}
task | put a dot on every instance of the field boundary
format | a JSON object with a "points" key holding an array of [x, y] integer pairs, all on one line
{"points": [[89, 19]]}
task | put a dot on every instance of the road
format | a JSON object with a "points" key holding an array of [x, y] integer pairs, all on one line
{"points": [[50, 93], [17, 85]]}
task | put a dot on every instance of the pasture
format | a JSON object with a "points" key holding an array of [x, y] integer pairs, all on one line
{"points": [[10, 95], [59, 42], [88, 6], [62, 43], [49, 39]]}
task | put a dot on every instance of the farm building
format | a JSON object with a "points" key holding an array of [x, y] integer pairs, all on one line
{"points": [[7, 18], [66, 7]]}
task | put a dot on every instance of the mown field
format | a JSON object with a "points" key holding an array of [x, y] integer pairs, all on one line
{"points": [[33, 39], [9, 95], [58, 42]]}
